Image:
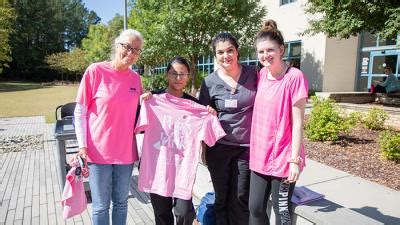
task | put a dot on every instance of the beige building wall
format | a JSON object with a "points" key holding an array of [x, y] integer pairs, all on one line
{"points": [[328, 63], [340, 64]]}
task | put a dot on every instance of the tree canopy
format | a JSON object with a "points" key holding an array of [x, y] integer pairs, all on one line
{"points": [[339, 18], [7, 19], [99, 40], [45, 27], [186, 28]]}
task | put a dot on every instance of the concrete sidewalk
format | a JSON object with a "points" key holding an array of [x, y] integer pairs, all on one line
{"points": [[345, 190], [365, 197]]}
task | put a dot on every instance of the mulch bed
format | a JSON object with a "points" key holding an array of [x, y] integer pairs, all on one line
{"points": [[358, 154]]}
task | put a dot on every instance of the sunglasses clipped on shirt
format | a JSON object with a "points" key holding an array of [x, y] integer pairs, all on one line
{"points": [[129, 48]]}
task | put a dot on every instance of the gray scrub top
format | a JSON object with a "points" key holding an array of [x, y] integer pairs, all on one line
{"points": [[234, 107]]}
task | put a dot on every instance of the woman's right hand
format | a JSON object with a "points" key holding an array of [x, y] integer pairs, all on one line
{"points": [[145, 96], [83, 154]]}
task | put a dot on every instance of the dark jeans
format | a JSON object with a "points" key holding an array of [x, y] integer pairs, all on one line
{"points": [[230, 175], [379, 89], [162, 206], [261, 187]]}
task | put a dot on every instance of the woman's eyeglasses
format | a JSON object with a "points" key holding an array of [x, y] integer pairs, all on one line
{"points": [[129, 48], [175, 74]]}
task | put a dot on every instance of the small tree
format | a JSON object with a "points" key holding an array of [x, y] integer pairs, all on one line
{"points": [[99, 40], [73, 62]]}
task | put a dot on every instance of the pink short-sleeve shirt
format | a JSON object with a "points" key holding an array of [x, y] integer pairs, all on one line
{"points": [[271, 130], [174, 128], [112, 98]]}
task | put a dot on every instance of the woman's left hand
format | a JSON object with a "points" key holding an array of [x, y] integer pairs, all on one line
{"points": [[211, 110], [294, 172]]}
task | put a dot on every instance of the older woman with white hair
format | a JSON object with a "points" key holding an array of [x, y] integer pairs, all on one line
{"points": [[107, 102]]}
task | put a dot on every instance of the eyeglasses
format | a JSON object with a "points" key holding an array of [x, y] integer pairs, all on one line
{"points": [[175, 75], [129, 48]]}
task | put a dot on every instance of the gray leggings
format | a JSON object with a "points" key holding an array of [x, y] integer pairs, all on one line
{"points": [[261, 187]]}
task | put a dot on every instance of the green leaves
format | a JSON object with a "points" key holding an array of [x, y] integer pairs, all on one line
{"points": [[375, 119], [7, 18], [324, 124], [98, 43], [45, 27], [186, 28], [389, 142], [348, 18]]}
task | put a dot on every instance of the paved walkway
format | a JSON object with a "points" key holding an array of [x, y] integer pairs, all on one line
{"points": [[29, 189]]}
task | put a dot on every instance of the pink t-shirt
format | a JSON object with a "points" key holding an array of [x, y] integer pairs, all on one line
{"points": [[111, 98], [174, 128], [271, 128]]}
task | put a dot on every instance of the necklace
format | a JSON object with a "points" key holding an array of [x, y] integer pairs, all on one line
{"points": [[278, 75]]}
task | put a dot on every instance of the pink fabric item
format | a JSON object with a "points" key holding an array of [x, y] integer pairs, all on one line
{"points": [[73, 199], [271, 130], [112, 98], [174, 128]]}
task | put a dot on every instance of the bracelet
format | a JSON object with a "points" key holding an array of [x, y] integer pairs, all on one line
{"points": [[296, 160]]}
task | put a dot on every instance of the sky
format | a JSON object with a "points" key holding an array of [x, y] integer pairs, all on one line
{"points": [[105, 9]]}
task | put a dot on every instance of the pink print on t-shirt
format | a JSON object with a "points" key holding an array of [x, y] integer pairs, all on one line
{"points": [[174, 128]]}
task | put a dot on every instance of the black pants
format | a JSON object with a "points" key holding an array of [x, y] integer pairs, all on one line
{"points": [[162, 206], [230, 175], [379, 89], [261, 187]]}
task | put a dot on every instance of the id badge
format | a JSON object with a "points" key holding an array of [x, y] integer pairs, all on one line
{"points": [[231, 103]]}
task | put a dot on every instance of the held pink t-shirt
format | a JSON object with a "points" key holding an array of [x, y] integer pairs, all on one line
{"points": [[174, 128], [111, 98], [271, 130]]}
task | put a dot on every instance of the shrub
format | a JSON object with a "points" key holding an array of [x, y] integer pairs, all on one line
{"points": [[154, 82], [375, 119], [324, 123], [389, 142], [353, 119]]}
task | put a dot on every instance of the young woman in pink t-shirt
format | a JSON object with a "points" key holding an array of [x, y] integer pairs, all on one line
{"points": [[276, 146], [107, 101]]}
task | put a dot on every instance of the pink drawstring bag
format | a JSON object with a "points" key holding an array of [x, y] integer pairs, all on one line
{"points": [[73, 199]]}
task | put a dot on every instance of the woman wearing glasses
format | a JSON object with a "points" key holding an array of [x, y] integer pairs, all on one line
{"points": [[104, 122], [174, 126], [231, 90]]}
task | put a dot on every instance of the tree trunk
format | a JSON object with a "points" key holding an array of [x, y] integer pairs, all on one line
{"points": [[193, 60]]}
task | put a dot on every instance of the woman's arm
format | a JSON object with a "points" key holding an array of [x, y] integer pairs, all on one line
{"points": [[81, 124], [297, 139]]}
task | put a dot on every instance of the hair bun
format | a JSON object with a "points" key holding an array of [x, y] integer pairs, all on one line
{"points": [[269, 25]]}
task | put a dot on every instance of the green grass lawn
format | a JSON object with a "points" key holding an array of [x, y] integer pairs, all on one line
{"points": [[31, 99]]}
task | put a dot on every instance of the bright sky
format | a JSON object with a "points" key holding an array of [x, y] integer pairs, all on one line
{"points": [[106, 9]]}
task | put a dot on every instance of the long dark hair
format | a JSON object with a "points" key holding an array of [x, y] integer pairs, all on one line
{"points": [[180, 60]]}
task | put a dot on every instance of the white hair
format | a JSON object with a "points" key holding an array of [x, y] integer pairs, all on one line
{"points": [[125, 35], [128, 33]]}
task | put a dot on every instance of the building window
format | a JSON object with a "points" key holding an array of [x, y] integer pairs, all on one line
{"points": [[292, 53], [284, 2]]}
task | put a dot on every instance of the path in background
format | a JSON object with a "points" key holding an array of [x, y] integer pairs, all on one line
{"points": [[29, 189]]}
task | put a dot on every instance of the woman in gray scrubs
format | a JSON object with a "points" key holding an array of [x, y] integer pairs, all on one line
{"points": [[231, 91]]}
